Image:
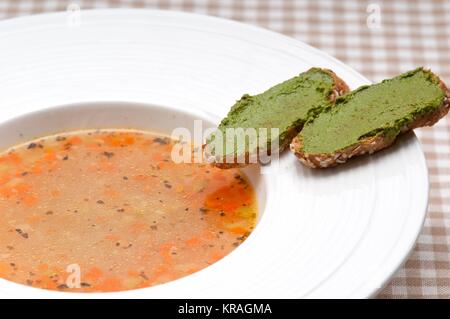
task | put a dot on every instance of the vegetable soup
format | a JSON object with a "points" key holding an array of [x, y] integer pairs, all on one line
{"points": [[108, 210]]}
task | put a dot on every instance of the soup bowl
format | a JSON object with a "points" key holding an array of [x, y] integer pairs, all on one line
{"points": [[112, 115]]}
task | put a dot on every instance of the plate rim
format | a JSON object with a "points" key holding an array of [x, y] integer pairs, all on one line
{"points": [[291, 40]]}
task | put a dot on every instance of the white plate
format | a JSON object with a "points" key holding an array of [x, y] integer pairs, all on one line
{"points": [[330, 233]]}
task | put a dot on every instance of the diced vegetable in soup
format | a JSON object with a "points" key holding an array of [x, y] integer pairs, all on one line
{"points": [[108, 210]]}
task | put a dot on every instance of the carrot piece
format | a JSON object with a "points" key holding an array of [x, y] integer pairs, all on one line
{"points": [[93, 274], [238, 230], [74, 140], [111, 193], [30, 199], [118, 140], [216, 256], [158, 271], [50, 157], [3, 270], [21, 188], [106, 166], [112, 237], [6, 192], [45, 282], [133, 273], [5, 179], [42, 267], [157, 157], [192, 270], [36, 169], [193, 242], [110, 284], [129, 140], [140, 177], [138, 227], [14, 158], [218, 175], [165, 251], [228, 198]]}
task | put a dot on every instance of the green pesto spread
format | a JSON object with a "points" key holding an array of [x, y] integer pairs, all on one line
{"points": [[382, 108], [285, 106]]}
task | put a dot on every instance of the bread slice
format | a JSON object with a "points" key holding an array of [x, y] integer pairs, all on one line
{"points": [[371, 117], [285, 106]]}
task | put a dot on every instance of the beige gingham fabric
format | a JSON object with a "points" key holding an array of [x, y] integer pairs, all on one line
{"points": [[404, 35]]}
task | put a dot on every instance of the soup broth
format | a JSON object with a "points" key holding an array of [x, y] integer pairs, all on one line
{"points": [[108, 210]]}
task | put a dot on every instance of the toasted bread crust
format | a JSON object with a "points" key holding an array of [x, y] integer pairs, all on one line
{"points": [[371, 144], [340, 88]]}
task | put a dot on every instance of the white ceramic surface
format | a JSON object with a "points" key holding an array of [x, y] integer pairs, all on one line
{"points": [[329, 233]]}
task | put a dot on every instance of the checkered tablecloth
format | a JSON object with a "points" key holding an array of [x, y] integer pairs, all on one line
{"points": [[404, 34]]}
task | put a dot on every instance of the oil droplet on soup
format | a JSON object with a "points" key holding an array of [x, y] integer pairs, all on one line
{"points": [[108, 210]]}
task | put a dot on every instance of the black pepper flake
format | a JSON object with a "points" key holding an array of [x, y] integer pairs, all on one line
{"points": [[100, 202], [201, 190], [125, 178], [60, 138], [161, 141], [24, 174], [120, 210], [22, 233], [167, 184], [117, 244], [154, 227], [186, 209], [222, 214], [85, 284], [65, 158], [203, 210], [108, 154], [143, 275], [63, 286], [32, 145]]}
